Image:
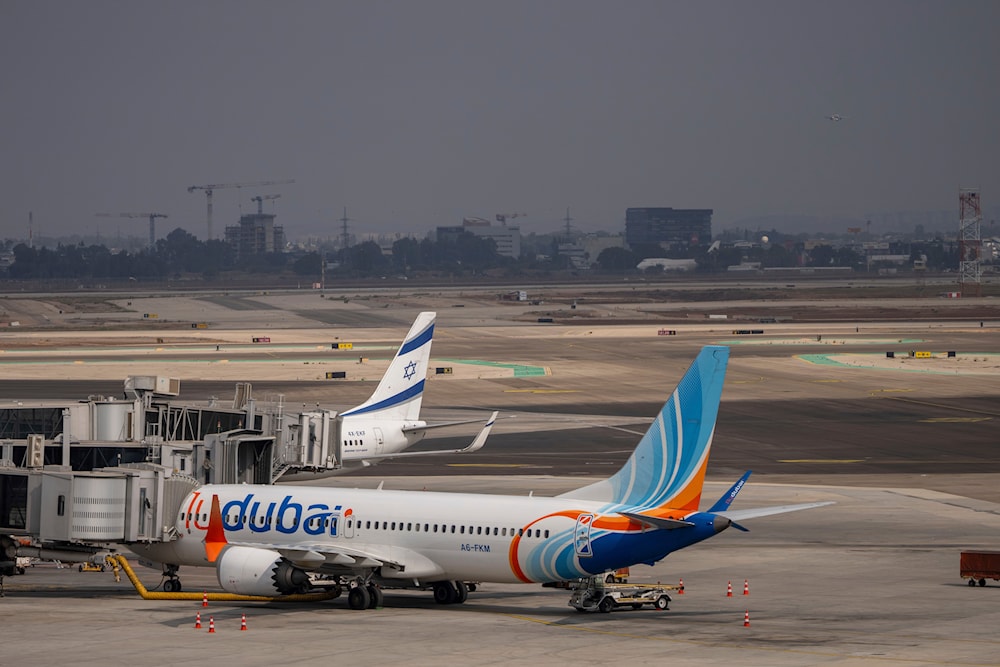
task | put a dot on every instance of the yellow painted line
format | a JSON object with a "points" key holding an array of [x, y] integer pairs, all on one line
{"points": [[826, 380], [78, 361], [223, 361], [820, 460], [954, 420], [540, 391]]}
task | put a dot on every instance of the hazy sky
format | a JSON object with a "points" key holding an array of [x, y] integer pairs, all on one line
{"points": [[416, 113]]}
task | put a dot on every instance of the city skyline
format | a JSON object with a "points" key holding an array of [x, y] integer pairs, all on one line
{"points": [[414, 115]]}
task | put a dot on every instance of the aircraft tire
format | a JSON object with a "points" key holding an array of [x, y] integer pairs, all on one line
{"points": [[358, 598], [375, 596], [461, 592], [444, 592]]}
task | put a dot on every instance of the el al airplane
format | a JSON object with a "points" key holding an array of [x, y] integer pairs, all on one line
{"points": [[265, 540], [389, 421]]}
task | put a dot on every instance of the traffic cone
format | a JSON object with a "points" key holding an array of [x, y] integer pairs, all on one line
{"points": [[746, 619], [729, 590], [197, 621], [680, 588], [204, 598], [243, 623], [211, 625], [746, 587]]}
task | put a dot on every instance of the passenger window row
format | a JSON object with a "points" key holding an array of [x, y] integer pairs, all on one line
{"points": [[408, 526]]}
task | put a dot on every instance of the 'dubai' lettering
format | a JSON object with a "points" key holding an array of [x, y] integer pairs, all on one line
{"points": [[481, 548], [285, 517]]}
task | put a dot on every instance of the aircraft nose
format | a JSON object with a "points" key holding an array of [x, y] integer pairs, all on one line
{"points": [[720, 523]]}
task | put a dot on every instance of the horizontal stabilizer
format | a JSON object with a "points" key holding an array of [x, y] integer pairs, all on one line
{"points": [[656, 522], [740, 515]]}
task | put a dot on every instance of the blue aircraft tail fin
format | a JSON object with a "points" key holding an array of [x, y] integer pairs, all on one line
{"points": [[667, 468]]}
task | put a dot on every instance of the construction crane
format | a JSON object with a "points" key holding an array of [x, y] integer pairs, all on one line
{"points": [[209, 189], [260, 201], [502, 218], [152, 221]]}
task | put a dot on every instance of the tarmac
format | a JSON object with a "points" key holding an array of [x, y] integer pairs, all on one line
{"points": [[906, 451]]}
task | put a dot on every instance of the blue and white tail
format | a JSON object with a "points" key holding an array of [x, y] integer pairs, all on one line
{"points": [[667, 468], [401, 390]]}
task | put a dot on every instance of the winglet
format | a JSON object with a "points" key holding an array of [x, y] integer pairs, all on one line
{"points": [[729, 496], [480, 440], [215, 536]]}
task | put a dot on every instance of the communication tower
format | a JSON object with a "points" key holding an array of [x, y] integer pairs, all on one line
{"points": [[970, 242]]}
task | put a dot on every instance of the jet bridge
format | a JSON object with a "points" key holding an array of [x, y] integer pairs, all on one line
{"points": [[76, 476]]}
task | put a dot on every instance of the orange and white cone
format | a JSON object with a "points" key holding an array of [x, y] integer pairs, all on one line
{"points": [[729, 590], [746, 619], [211, 625], [746, 587], [197, 621], [243, 623], [204, 598], [680, 587]]}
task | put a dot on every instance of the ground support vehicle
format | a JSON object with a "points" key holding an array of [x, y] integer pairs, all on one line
{"points": [[595, 594], [978, 566]]}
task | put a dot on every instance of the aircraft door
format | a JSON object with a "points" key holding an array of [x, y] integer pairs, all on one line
{"points": [[581, 541], [379, 440], [349, 522]]}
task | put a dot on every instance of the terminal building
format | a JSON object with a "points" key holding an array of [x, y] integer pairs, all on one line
{"points": [[668, 226]]}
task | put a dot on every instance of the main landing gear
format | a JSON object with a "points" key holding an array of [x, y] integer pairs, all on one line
{"points": [[365, 596], [450, 592]]}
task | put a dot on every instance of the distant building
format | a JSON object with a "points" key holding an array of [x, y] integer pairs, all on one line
{"points": [[507, 237], [668, 226], [255, 235]]}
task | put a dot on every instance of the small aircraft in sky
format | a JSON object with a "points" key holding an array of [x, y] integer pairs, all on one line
{"points": [[269, 540], [835, 117]]}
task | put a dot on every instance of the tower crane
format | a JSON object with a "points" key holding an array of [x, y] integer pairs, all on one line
{"points": [[209, 189], [152, 221], [260, 201]]}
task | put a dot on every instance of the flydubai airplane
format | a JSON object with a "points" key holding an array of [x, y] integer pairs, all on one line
{"points": [[389, 421], [266, 540]]}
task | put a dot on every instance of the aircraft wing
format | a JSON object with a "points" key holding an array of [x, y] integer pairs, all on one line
{"points": [[313, 557], [739, 515], [475, 445]]}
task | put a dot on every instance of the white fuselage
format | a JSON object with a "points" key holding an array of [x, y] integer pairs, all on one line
{"points": [[433, 536]]}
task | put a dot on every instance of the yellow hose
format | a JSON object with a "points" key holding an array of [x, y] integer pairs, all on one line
{"points": [[219, 597]]}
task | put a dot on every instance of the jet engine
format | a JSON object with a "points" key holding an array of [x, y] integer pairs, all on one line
{"points": [[251, 571]]}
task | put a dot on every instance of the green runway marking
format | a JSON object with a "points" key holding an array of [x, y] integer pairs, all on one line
{"points": [[520, 370], [825, 360]]}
